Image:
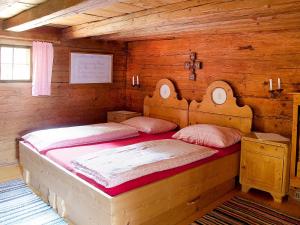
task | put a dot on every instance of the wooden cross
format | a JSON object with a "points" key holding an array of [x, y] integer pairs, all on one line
{"points": [[193, 65]]}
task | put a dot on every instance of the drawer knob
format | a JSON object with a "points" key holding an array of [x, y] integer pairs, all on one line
{"points": [[243, 167], [261, 147]]}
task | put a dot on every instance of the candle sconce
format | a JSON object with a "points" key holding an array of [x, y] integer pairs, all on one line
{"points": [[274, 93], [136, 85], [135, 82]]}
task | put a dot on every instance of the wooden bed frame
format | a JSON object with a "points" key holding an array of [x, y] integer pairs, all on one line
{"points": [[165, 202]]}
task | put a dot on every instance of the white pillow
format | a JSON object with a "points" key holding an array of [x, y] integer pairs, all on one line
{"points": [[150, 125]]}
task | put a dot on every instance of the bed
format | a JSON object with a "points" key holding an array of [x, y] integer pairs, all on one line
{"points": [[166, 201]]}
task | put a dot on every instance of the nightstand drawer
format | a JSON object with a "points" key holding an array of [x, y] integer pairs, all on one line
{"points": [[264, 149]]}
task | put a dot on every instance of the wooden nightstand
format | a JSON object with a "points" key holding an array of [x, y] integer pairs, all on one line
{"points": [[265, 166], [119, 116]]}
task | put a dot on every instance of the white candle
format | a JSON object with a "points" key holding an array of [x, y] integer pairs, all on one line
{"points": [[132, 80], [279, 83], [137, 80], [271, 84]]}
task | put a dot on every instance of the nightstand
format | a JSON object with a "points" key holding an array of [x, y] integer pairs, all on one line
{"points": [[119, 116], [265, 166]]}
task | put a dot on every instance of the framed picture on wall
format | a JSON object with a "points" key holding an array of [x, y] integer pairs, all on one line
{"points": [[87, 68]]}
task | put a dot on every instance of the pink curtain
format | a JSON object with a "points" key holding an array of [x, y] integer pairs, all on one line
{"points": [[42, 61]]}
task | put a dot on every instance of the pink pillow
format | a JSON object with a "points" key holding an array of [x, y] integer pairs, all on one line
{"points": [[150, 125], [209, 135]]}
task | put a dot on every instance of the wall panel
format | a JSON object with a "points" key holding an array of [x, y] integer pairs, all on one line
{"points": [[245, 60], [67, 105]]}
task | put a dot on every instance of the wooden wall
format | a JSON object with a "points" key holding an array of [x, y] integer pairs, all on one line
{"points": [[68, 104], [245, 60]]}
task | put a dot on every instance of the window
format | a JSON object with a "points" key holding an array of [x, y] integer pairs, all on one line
{"points": [[15, 63]]}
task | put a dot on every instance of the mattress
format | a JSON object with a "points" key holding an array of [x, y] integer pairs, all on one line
{"points": [[64, 156]]}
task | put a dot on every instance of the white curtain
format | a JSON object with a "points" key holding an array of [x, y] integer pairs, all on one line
{"points": [[42, 61]]}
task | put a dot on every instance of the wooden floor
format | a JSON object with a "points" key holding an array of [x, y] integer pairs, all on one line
{"points": [[9, 173], [288, 206]]}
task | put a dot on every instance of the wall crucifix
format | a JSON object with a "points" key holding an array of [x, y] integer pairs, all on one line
{"points": [[193, 65]]}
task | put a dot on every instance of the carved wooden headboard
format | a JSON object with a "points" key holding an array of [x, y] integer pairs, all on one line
{"points": [[219, 107], [164, 104]]}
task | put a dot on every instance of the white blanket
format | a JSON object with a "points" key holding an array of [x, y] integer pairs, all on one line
{"points": [[112, 167], [48, 139]]}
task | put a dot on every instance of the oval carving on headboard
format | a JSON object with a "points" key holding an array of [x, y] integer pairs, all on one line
{"points": [[228, 114], [170, 108]]}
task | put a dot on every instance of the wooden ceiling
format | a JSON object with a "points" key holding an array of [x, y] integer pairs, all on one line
{"points": [[9, 8], [142, 19]]}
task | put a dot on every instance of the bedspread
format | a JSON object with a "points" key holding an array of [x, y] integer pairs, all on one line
{"points": [[112, 167]]}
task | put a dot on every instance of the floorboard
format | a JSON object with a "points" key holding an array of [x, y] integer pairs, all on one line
{"points": [[9, 173]]}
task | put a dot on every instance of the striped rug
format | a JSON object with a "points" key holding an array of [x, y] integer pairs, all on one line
{"points": [[242, 211], [19, 205]]}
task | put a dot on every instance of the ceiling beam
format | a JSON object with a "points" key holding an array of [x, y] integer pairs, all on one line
{"points": [[282, 22], [48, 34], [123, 23], [46, 12], [190, 15]]}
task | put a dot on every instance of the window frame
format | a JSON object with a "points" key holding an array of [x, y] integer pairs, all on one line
{"points": [[30, 63]]}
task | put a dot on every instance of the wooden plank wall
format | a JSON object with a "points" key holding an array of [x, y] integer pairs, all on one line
{"points": [[68, 104], [245, 60]]}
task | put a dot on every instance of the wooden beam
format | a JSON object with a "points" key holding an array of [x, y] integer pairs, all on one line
{"points": [[280, 22], [189, 16], [49, 34], [46, 12]]}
